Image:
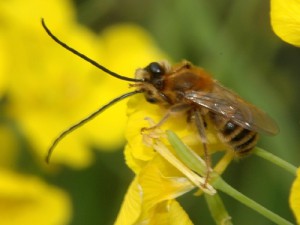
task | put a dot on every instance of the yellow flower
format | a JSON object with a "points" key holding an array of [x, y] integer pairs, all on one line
{"points": [[9, 147], [137, 154], [151, 196], [285, 20], [3, 66], [35, 74], [295, 197], [49, 89], [28, 200]]}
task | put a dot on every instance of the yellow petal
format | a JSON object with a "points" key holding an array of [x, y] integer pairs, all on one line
{"points": [[295, 197], [43, 81], [160, 181], [9, 146], [197, 180], [133, 163], [177, 215], [131, 206], [285, 20], [157, 182], [28, 200], [3, 65], [129, 47], [170, 213], [28, 14]]}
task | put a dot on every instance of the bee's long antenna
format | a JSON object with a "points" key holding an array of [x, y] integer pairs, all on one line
{"points": [[94, 63], [85, 120]]}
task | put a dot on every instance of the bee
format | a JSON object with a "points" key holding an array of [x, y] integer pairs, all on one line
{"points": [[185, 88], [188, 90]]}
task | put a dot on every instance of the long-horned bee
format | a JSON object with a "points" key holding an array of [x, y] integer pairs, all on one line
{"points": [[189, 90]]}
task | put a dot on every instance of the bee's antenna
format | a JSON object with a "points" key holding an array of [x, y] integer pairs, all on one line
{"points": [[85, 120], [94, 63]]}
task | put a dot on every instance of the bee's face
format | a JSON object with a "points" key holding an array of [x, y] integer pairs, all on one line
{"points": [[154, 76]]}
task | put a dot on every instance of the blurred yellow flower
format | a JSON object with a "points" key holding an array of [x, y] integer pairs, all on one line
{"points": [[151, 195], [49, 89], [9, 147], [3, 66], [28, 200], [295, 197], [285, 20]]}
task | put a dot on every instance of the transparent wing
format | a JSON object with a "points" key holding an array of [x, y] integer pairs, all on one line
{"points": [[224, 102]]}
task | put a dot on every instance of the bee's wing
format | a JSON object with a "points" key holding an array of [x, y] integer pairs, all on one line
{"points": [[228, 104]]}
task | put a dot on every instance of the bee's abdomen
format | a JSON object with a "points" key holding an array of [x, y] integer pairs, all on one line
{"points": [[240, 139]]}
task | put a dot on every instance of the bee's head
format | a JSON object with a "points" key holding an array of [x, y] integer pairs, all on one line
{"points": [[153, 76]]}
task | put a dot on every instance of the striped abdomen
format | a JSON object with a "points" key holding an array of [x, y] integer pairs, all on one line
{"points": [[240, 139]]}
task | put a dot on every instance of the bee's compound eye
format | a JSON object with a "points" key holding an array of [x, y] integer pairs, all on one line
{"points": [[155, 68]]}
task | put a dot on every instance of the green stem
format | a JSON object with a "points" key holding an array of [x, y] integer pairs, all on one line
{"points": [[217, 209], [221, 185], [275, 160], [186, 155], [194, 162]]}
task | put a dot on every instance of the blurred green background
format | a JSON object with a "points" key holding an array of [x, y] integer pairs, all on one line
{"points": [[234, 41]]}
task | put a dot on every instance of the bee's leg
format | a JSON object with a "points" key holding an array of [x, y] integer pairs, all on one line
{"points": [[173, 110], [157, 125], [200, 124]]}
